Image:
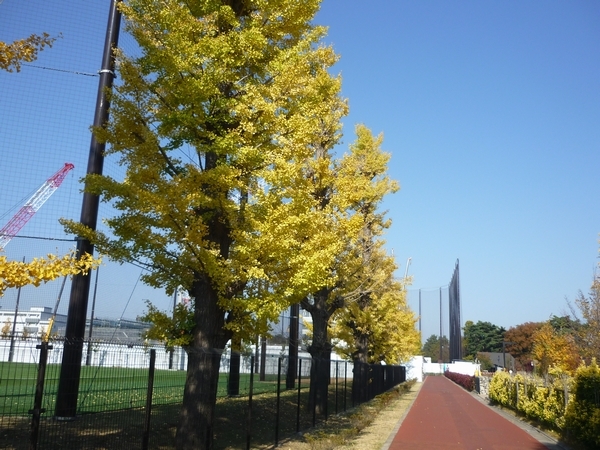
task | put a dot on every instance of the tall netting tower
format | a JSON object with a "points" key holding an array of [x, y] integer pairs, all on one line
{"points": [[454, 314]]}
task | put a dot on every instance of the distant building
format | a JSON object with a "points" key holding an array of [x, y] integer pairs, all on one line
{"points": [[34, 322], [497, 360], [117, 331]]}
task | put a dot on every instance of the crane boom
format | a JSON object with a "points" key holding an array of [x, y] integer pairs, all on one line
{"points": [[32, 205]]}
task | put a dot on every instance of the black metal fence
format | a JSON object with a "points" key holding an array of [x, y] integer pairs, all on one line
{"points": [[129, 396]]}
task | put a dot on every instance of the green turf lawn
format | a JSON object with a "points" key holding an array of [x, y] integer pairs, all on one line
{"points": [[105, 388]]}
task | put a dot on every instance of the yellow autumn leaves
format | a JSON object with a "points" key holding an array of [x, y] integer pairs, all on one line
{"points": [[15, 274], [23, 50]]}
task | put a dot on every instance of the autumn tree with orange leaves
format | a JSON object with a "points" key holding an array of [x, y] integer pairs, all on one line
{"points": [[521, 338], [552, 349]]}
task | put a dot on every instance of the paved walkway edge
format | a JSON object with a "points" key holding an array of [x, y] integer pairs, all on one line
{"points": [[392, 435], [544, 438]]}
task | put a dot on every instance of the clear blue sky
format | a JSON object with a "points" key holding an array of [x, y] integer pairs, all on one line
{"points": [[491, 111]]}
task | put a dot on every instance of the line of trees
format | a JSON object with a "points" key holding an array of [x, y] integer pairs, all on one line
{"points": [[561, 343], [226, 124], [558, 345]]}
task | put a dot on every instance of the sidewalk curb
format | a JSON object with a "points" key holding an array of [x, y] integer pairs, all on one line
{"points": [[544, 438]]}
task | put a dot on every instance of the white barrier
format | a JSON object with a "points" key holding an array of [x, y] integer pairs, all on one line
{"points": [[138, 357], [462, 367]]}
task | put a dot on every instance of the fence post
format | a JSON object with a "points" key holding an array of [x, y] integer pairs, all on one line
{"points": [[278, 398], [249, 419], [336, 385], [299, 395], [37, 410], [146, 436], [328, 361], [345, 383], [314, 367]]}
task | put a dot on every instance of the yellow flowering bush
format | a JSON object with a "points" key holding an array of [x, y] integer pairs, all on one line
{"points": [[499, 390], [535, 398], [582, 418]]}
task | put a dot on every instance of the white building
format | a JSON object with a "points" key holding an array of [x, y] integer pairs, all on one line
{"points": [[34, 322]]}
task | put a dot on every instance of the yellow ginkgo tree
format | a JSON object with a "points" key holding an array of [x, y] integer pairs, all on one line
{"points": [[376, 324], [349, 193], [214, 121]]}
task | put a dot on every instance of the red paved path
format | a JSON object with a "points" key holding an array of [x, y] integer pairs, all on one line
{"points": [[445, 416]]}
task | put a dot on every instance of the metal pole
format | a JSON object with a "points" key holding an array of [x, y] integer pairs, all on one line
{"points": [[345, 383], [293, 346], [441, 355], [263, 358], [88, 358], [68, 387], [278, 401], [37, 410], [14, 325], [420, 313], [299, 396], [249, 416], [149, 391], [172, 350]]}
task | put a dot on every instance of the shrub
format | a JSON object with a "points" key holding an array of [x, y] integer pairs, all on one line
{"points": [[466, 381], [499, 391], [582, 418], [534, 398]]}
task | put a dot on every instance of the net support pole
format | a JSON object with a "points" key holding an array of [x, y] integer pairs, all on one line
{"points": [[68, 387]]}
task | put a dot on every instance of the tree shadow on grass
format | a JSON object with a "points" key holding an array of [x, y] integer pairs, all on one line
{"points": [[124, 429]]}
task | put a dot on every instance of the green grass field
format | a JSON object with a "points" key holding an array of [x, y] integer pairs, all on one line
{"points": [[105, 388]]}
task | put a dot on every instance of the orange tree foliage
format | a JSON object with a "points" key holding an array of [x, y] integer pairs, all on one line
{"points": [[552, 349], [521, 337]]}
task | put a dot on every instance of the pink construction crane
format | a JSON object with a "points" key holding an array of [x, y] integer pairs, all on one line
{"points": [[32, 205]]}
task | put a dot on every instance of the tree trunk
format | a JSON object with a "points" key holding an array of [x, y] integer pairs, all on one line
{"points": [[233, 382], [361, 372], [319, 378], [195, 430], [320, 351]]}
